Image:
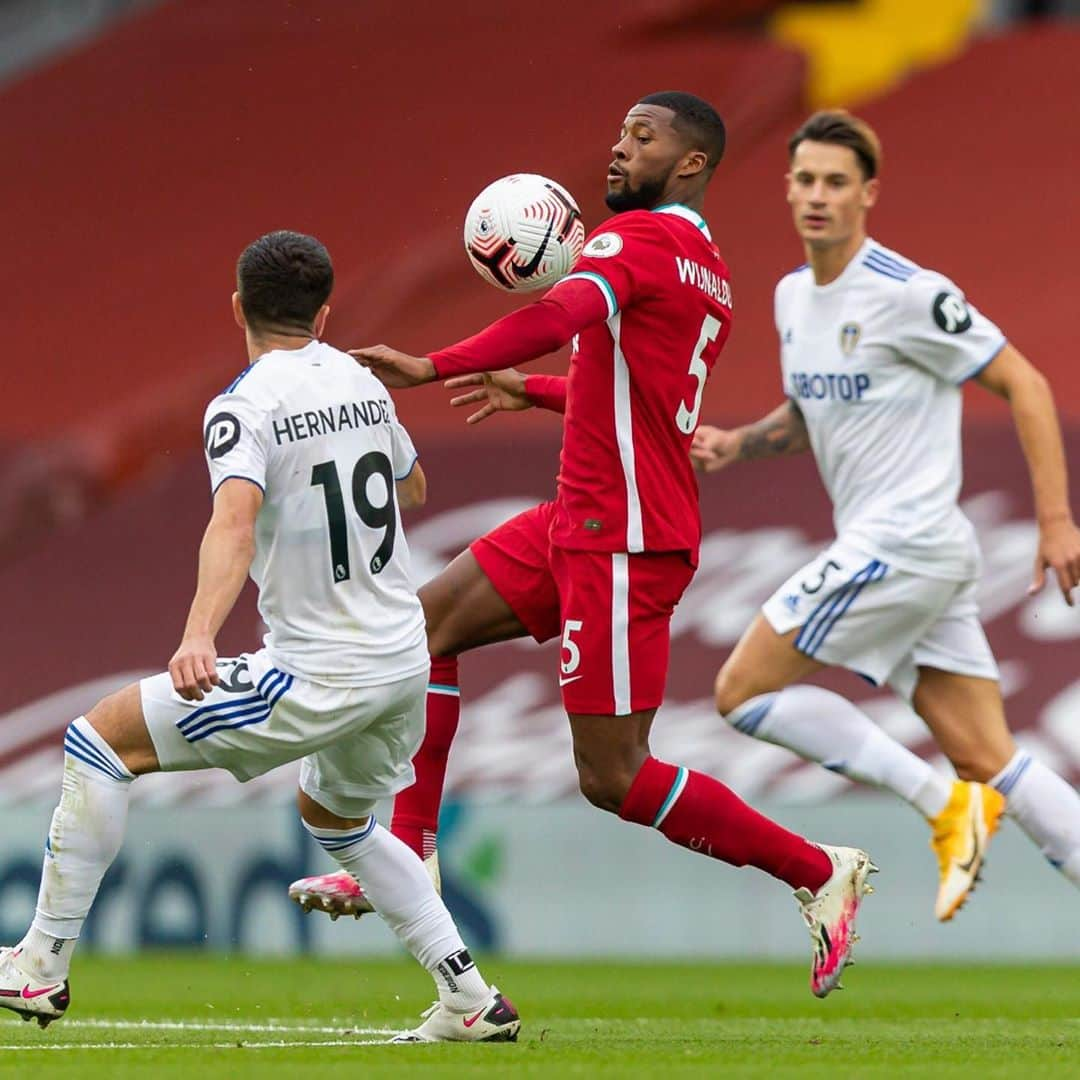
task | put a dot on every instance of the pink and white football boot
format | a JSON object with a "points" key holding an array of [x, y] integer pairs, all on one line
{"points": [[29, 996], [830, 915], [340, 894]]}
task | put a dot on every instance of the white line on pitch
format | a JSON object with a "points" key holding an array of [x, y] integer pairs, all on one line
{"points": [[189, 1046], [300, 1028]]}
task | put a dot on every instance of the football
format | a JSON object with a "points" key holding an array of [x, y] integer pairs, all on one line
{"points": [[523, 232]]}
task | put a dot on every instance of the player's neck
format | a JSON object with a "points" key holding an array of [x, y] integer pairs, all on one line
{"points": [[828, 263], [258, 345]]}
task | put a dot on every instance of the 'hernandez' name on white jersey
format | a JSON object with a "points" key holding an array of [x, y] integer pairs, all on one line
{"points": [[318, 433], [875, 360]]}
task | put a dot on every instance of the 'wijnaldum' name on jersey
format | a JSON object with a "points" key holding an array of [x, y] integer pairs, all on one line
{"points": [[307, 425], [708, 281]]}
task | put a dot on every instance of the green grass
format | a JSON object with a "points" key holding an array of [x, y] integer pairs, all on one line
{"points": [[580, 1019]]}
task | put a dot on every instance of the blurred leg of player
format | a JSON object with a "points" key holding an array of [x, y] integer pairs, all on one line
{"points": [[364, 739], [967, 718], [498, 589], [616, 611], [897, 628]]}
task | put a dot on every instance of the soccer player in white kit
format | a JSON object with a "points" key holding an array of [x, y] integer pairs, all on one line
{"points": [[309, 467], [874, 350]]}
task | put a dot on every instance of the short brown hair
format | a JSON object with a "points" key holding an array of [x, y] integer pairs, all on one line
{"points": [[283, 278], [839, 127]]}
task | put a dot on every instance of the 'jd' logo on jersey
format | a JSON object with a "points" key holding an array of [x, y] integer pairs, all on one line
{"points": [[222, 434], [951, 313]]}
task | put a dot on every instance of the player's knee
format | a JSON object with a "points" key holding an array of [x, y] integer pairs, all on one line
{"points": [[979, 763], [604, 787], [730, 691]]}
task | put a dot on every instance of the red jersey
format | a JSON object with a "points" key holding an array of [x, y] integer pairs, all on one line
{"points": [[649, 305], [635, 384]]}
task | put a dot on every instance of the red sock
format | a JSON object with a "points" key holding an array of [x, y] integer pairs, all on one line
{"points": [[416, 809], [699, 813]]}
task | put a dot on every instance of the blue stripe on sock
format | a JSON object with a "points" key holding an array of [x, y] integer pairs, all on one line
{"points": [[78, 739], [339, 843], [92, 757], [1012, 778], [112, 774], [749, 723]]}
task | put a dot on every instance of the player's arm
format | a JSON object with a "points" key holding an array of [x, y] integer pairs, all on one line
{"points": [[508, 391], [783, 431], [523, 335], [412, 489], [228, 546], [1025, 388]]}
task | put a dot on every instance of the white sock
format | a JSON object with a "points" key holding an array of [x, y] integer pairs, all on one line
{"points": [[1046, 808], [84, 838], [825, 727], [400, 890]]}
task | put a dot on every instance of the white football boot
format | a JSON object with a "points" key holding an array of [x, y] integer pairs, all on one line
{"points": [[495, 1021], [830, 915], [340, 893], [30, 997]]}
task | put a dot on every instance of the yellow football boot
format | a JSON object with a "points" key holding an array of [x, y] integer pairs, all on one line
{"points": [[962, 832]]}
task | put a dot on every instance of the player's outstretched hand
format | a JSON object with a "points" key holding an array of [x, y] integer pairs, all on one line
{"points": [[1059, 551], [500, 391], [194, 668], [395, 369], [713, 448]]}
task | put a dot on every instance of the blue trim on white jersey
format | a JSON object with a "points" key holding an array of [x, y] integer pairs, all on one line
{"points": [[408, 472], [240, 378], [600, 282], [889, 269], [889, 259], [237, 476], [978, 368]]}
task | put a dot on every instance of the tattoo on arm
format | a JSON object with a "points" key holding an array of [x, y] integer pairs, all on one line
{"points": [[783, 431]]}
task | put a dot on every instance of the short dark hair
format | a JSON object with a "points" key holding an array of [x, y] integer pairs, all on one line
{"points": [[696, 118], [283, 278], [839, 127]]}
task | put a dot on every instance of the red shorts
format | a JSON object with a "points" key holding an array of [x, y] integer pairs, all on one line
{"points": [[612, 611]]}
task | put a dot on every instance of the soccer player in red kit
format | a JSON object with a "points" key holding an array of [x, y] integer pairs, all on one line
{"points": [[603, 566]]}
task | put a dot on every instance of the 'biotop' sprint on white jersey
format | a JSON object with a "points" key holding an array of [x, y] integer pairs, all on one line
{"points": [[318, 433], [875, 360]]}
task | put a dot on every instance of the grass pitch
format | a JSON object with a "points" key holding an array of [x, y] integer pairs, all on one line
{"points": [[203, 1017]]}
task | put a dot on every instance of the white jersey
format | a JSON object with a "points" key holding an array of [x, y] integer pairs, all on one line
{"points": [[875, 361], [318, 433]]}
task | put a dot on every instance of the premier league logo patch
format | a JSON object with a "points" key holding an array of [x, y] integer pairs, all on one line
{"points": [[849, 337], [604, 246]]}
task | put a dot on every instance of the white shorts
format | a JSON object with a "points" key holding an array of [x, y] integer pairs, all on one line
{"points": [[357, 742], [857, 612]]}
